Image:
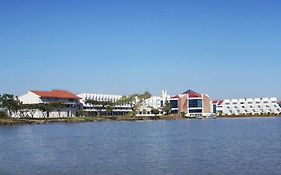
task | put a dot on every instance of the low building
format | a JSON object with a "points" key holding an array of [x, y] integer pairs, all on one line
{"points": [[94, 109], [154, 102], [70, 101], [191, 103], [247, 106]]}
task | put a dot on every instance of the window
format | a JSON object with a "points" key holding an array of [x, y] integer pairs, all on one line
{"points": [[195, 103], [174, 103], [195, 111]]}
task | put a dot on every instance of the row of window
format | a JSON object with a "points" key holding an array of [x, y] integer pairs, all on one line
{"points": [[249, 102]]}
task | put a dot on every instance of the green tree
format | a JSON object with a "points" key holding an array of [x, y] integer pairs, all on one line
{"points": [[80, 113], [136, 101], [167, 108], [58, 106], [109, 109], [155, 111], [183, 114], [99, 105], [29, 109], [45, 108], [10, 103]]}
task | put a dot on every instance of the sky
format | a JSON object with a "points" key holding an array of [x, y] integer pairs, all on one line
{"points": [[223, 48]]}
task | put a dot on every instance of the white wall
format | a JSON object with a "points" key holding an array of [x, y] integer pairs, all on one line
{"points": [[30, 98]]}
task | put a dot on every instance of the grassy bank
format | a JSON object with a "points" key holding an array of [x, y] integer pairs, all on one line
{"points": [[6, 121], [15, 121]]}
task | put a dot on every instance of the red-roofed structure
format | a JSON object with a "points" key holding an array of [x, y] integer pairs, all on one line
{"points": [[71, 103], [192, 94], [61, 94], [220, 102]]}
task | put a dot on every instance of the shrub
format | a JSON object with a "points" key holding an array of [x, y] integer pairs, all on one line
{"points": [[183, 114], [3, 114]]}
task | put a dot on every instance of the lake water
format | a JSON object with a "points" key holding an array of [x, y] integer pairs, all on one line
{"points": [[200, 147]]}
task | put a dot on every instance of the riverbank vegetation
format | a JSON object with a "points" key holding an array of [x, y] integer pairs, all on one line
{"points": [[8, 121]]}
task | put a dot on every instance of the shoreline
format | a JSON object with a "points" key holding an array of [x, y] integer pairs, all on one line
{"points": [[37, 121]]}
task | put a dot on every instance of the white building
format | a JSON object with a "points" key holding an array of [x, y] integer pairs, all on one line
{"points": [[155, 102], [248, 106], [70, 100], [92, 109]]}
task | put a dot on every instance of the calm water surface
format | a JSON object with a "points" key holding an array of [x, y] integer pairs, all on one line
{"points": [[222, 146]]}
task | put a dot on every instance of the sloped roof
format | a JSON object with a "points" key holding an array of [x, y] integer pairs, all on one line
{"points": [[214, 101], [279, 102], [217, 102], [175, 97], [191, 93], [56, 94], [220, 102]]}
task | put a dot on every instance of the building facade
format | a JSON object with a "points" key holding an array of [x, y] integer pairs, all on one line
{"points": [[247, 106], [154, 102], [94, 109], [191, 103], [70, 101]]}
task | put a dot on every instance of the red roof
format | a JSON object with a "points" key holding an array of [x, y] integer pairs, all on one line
{"points": [[220, 102], [175, 97], [279, 102], [192, 94], [214, 101], [56, 94]]}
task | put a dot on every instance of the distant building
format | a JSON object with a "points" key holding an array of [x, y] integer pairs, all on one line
{"points": [[246, 106], [70, 100], [279, 103], [155, 102], [191, 103], [93, 109]]}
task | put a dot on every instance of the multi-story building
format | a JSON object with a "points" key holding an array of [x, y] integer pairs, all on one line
{"points": [[191, 103], [93, 109], [70, 101], [154, 102], [247, 106]]}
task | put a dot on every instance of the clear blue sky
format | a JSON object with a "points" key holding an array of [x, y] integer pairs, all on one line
{"points": [[225, 48]]}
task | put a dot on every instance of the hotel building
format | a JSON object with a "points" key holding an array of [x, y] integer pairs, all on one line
{"points": [[247, 106], [191, 103], [93, 109], [154, 102], [70, 100]]}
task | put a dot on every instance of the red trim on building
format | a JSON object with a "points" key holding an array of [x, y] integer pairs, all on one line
{"points": [[214, 101], [56, 94], [174, 97], [220, 102], [192, 94]]}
